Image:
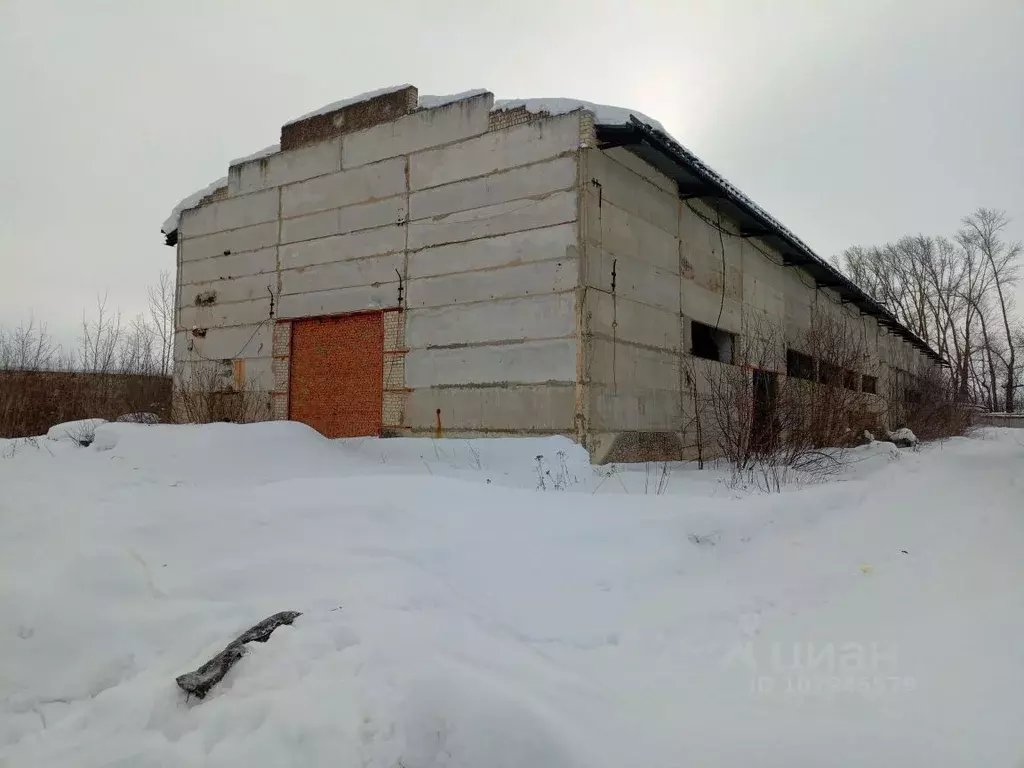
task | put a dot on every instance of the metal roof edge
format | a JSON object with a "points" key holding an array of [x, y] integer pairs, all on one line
{"points": [[662, 142]]}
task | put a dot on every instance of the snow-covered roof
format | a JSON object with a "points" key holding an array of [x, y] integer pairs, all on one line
{"points": [[336, 105], [604, 114], [273, 149], [648, 139], [426, 101], [171, 224]]}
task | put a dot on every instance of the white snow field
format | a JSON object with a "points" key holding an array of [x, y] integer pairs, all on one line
{"points": [[454, 614]]}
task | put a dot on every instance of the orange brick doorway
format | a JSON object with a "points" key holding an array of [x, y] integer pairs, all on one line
{"points": [[336, 377]]}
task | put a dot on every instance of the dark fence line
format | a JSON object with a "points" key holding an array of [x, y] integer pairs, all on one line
{"points": [[1013, 420], [33, 401]]}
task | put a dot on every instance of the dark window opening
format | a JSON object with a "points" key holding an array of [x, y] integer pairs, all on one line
{"points": [[799, 365], [850, 380], [912, 396], [711, 343], [829, 374], [869, 384]]}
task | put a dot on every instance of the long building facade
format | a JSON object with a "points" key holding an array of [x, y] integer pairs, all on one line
{"points": [[403, 265]]}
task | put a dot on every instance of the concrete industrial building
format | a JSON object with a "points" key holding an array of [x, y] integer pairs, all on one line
{"points": [[402, 264]]}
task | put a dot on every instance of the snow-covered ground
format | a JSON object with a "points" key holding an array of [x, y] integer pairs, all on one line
{"points": [[470, 604]]}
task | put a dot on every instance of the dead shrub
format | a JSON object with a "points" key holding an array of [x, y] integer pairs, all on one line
{"points": [[117, 369], [788, 405], [33, 401], [207, 392], [928, 405]]}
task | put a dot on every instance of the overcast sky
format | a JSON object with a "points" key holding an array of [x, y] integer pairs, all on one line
{"points": [[853, 121]]}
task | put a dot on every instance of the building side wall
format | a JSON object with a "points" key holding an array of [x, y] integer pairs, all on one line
{"points": [[466, 231], [652, 264]]}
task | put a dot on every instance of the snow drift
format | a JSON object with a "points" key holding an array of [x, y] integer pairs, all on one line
{"points": [[454, 614]]}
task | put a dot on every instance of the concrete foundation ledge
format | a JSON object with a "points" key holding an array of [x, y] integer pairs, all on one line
{"points": [[1012, 420], [629, 447]]}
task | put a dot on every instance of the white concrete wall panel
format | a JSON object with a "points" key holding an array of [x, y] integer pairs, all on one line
{"points": [[338, 301], [524, 363], [632, 193], [624, 234], [420, 130], [342, 274], [339, 221], [634, 280], [225, 315], [625, 158], [232, 213], [629, 368], [644, 411], [355, 245], [504, 250], [704, 306], [236, 241], [238, 342], [526, 408], [513, 216], [538, 317], [487, 285], [359, 185], [495, 151], [237, 289], [227, 267], [631, 321], [529, 181], [285, 167]]}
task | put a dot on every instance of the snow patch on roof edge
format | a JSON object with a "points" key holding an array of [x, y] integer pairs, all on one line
{"points": [[273, 149], [171, 224], [604, 114], [427, 101]]}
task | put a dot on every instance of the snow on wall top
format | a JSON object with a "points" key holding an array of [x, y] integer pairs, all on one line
{"points": [[171, 224], [273, 149], [336, 105], [605, 114], [427, 101]]}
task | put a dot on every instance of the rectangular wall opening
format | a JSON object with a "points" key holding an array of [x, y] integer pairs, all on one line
{"points": [[829, 374], [710, 343], [799, 365]]}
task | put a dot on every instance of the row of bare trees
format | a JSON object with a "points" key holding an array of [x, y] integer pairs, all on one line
{"points": [[957, 294], [118, 366], [107, 342]]}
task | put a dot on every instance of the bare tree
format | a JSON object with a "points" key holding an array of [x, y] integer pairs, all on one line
{"points": [[28, 347], [117, 368], [953, 293], [983, 230], [98, 344], [768, 414], [161, 316], [139, 348]]}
